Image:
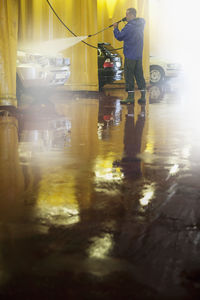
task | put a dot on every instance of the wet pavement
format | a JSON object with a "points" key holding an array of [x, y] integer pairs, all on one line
{"points": [[100, 200]]}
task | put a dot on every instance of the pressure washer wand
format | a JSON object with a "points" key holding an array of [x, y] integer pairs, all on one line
{"points": [[124, 19]]}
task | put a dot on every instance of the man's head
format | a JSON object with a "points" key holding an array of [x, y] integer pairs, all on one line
{"points": [[130, 13]]}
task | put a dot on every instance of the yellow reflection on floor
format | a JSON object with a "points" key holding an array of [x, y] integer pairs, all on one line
{"points": [[104, 169], [56, 196], [11, 174]]}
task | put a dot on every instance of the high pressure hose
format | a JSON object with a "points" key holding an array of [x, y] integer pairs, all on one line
{"points": [[53, 10]]}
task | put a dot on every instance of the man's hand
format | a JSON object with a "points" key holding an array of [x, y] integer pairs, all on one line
{"points": [[115, 25]]}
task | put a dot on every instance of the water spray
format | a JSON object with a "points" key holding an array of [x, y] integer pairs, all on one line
{"points": [[51, 47], [81, 40]]}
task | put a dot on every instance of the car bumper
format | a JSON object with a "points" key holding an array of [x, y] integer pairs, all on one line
{"points": [[42, 77], [172, 73]]}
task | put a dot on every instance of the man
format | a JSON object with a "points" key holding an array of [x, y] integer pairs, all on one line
{"points": [[133, 36]]}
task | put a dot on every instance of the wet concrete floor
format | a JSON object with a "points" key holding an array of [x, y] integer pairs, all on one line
{"points": [[100, 200]]}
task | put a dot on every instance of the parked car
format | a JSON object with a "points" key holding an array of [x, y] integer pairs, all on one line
{"points": [[109, 64], [35, 70], [161, 69]]}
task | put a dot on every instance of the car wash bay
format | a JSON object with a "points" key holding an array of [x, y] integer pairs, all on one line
{"points": [[100, 200]]}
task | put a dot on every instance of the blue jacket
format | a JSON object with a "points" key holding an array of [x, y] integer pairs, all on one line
{"points": [[133, 36]]}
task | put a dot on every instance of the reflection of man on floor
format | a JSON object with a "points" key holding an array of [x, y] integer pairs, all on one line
{"points": [[133, 132]]}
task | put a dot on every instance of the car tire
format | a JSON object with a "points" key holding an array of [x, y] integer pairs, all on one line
{"points": [[157, 74]]}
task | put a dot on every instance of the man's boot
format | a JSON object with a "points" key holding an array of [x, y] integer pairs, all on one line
{"points": [[129, 99], [143, 97]]}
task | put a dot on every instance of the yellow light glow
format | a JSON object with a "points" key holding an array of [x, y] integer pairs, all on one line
{"points": [[111, 7]]}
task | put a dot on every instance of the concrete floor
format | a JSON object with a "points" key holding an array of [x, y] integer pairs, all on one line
{"points": [[100, 200]]}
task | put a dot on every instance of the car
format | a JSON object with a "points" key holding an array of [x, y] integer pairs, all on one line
{"points": [[36, 71], [109, 64], [161, 69]]}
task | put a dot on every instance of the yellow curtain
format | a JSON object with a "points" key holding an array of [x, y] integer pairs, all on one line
{"points": [[84, 58], [8, 47]]}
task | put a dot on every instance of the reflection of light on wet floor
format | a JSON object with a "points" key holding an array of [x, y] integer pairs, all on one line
{"points": [[100, 130], [55, 137], [56, 199], [149, 147], [108, 174], [174, 170], [148, 193], [150, 143], [58, 215], [101, 246], [104, 170]]}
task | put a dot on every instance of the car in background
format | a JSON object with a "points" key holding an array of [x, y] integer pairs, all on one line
{"points": [[161, 69], [36, 71], [109, 64], [110, 67]]}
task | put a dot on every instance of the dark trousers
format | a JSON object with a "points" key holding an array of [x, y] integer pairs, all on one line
{"points": [[133, 70]]}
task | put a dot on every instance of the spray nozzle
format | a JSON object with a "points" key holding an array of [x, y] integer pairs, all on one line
{"points": [[122, 20]]}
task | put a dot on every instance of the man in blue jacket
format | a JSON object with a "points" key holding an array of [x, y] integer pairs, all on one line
{"points": [[133, 36]]}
